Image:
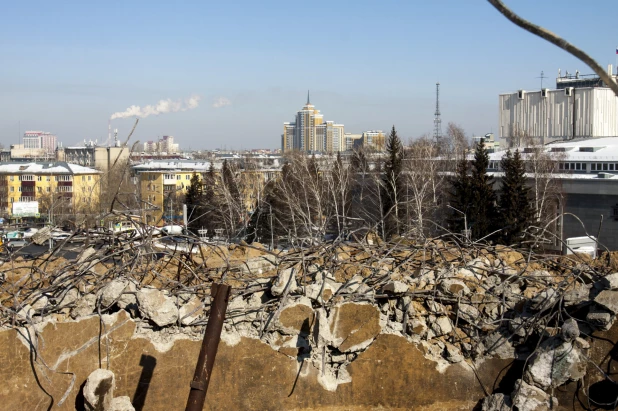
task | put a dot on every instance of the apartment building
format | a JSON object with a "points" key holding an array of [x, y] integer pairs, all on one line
{"points": [[73, 188], [310, 133], [163, 184]]}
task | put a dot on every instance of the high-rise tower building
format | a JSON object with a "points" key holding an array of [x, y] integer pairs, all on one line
{"points": [[310, 133]]}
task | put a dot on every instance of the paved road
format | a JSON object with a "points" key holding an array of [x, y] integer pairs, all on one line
{"points": [[69, 251]]}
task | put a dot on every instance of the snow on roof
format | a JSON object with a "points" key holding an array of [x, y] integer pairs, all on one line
{"points": [[57, 167], [594, 149], [175, 165]]}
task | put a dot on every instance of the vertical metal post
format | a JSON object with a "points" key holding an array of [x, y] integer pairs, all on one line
{"points": [[220, 294]]}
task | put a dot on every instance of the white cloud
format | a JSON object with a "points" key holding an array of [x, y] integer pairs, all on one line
{"points": [[221, 102]]}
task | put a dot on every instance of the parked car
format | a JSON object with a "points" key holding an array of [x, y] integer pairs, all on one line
{"points": [[56, 236], [14, 244]]}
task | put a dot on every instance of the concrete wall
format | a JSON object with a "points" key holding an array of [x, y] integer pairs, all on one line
{"points": [[154, 372]]}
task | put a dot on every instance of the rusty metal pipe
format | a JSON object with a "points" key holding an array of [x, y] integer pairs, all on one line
{"points": [[220, 294]]}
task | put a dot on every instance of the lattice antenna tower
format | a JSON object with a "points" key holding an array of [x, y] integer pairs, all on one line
{"points": [[437, 121]]}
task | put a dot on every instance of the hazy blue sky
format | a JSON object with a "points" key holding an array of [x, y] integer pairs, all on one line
{"points": [[66, 66]]}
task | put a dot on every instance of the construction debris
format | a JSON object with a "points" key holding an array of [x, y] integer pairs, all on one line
{"points": [[326, 304]]}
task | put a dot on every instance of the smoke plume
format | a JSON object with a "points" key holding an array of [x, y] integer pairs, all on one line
{"points": [[162, 107]]}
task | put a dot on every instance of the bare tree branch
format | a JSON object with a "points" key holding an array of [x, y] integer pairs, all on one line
{"points": [[557, 41]]}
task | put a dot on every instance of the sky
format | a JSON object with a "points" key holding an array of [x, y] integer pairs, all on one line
{"points": [[67, 66]]}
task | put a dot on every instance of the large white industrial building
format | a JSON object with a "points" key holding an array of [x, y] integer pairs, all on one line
{"points": [[580, 107]]}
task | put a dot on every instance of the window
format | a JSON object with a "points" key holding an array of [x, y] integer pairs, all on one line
{"points": [[39, 189], [12, 199], [47, 178], [178, 177], [64, 178], [19, 189], [12, 178], [611, 167], [64, 189], [48, 189], [12, 189], [605, 166], [39, 178], [83, 178], [578, 166], [168, 176], [89, 178]]}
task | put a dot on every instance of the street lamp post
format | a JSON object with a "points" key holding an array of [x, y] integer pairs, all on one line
{"points": [[465, 220]]}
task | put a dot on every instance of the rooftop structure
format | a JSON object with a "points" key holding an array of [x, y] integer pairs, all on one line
{"points": [[580, 107]]}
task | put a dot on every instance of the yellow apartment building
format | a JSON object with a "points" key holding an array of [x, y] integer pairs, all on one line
{"points": [[163, 184], [53, 185]]}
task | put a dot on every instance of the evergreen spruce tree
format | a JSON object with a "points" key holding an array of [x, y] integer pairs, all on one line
{"points": [[193, 200], [483, 212], [461, 197], [210, 202], [516, 213], [392, 186]]}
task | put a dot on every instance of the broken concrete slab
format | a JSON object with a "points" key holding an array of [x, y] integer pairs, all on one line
{"points": [[354, 326], [297, 317]]}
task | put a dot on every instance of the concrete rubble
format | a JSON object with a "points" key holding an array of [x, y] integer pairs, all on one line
{"points": [[325, 307]]}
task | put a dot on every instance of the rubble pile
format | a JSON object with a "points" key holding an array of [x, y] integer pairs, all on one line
{"points": [[327, 304]]}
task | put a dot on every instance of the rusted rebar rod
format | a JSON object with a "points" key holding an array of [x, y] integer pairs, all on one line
{"points": [[199, 385]]}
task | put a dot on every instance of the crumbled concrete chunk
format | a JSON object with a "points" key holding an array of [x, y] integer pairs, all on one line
{"points": [[156, 306], [527, 397], [610, 281], [286, 279], [497, 402], [609, 300], [121, 404], [600, 319], [555, 363], [99, 390], [395, 287], [84, 306]]}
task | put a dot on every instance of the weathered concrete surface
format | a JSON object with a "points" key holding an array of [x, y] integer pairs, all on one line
{"points": [[391, 374]]}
